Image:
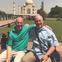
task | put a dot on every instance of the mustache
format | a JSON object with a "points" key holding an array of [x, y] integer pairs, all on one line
{"points": [[19, 25]]}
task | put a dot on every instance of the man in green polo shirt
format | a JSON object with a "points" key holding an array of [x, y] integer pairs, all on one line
{"points": [[17, 42]]}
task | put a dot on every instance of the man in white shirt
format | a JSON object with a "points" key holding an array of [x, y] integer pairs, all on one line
{"points": [[44, 42]]}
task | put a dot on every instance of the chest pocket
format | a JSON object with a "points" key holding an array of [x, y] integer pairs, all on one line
{"points": [[43, 35]]}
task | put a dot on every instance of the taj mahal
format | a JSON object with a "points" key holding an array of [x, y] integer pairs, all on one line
{"points": [[28, 8]]}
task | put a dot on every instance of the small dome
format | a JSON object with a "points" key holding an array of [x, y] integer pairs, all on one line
{"points": [[29, 1], [24, 5]]}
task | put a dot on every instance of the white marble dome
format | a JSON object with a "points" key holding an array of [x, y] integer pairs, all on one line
{"points": [[29, 1]]}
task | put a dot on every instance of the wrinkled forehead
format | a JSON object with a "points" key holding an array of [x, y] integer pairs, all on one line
{"points": [[19, 19], [38, 17]]}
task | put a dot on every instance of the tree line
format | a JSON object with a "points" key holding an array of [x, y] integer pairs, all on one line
{"points": [[54, 12], [5, 16]]}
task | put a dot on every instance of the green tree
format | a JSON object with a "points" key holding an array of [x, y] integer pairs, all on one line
{"points": [[55, 12], [42, 12]]}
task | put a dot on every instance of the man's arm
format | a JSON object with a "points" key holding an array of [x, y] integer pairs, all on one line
{"points": [[53, 44], [30, 43], [8, 54], [49, 52]]}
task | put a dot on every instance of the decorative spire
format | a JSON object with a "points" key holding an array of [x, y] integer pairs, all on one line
{"points": [[42, 5], [14, 7]]}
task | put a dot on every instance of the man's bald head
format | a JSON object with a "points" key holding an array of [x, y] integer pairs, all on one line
{"points": [[19, 23], [19, 19]]}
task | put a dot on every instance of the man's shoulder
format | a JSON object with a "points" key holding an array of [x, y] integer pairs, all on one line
{"points": [[11, 31], [48, 30]]}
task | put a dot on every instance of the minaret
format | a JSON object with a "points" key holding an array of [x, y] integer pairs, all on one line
{"points": [[14, 11], [18, 9], [42, 5]]}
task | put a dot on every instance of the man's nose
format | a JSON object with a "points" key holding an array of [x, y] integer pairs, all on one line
{"points": [[38, 22], [19, 23]]}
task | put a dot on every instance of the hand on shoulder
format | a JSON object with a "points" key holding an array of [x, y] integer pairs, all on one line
{"points": [[27, 24]]}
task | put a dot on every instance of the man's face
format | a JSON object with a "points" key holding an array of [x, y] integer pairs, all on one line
{"points": [[39, 21], [19, 23]]}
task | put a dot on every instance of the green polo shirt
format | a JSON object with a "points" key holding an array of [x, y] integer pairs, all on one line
{"points": [[19, 40]]}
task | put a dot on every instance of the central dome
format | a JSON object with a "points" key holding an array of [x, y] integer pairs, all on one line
{"points": [[29, 1]]}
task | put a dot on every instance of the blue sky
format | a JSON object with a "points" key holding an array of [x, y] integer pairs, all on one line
{"points": [[7, 5]]}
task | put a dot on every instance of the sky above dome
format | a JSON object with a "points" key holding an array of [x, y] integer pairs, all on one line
{"points": [[7, 5]]}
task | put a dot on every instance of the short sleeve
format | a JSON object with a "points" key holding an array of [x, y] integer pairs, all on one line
{"points": [[53, 40], [9, 43]]}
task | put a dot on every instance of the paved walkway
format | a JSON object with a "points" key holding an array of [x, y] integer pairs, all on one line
{"points": [[6, 22]]}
